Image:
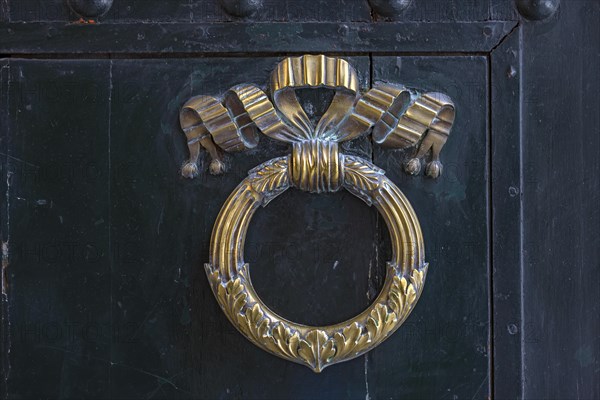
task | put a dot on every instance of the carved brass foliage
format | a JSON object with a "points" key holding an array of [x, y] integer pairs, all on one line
{"points": [[396, 117], [316, 347]]}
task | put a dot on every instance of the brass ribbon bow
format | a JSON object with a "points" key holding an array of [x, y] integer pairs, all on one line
{"points": [[399, 117]]}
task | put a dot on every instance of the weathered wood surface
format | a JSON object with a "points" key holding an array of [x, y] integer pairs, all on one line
{"points": [[243, 37], [271, 11], [104, 242], [561, 216], [505, 215], [444, 348]]}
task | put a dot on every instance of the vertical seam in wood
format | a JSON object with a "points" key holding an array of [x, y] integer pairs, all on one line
{"points": [[521, 212], [110, 252], [490, 230]]}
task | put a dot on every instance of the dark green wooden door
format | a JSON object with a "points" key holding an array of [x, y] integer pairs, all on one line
{"points": [[104, 290]]}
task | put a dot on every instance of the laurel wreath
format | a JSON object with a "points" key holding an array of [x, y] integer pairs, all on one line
{"points": [[316, 349]]}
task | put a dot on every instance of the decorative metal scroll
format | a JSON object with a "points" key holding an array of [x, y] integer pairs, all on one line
{"points": [[395, 116]]}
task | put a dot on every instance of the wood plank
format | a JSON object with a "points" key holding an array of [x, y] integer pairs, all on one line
{"points": [[59, 288], [4, 225], [561, 215], [442, 349], [448, 10], [183, 38], [506, 189], [157, 11]]}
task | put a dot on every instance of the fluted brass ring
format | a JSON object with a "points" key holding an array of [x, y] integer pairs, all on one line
{"points": [[316, 346]]}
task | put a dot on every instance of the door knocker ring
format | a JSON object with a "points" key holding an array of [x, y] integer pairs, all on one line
{"points": [[395, 116]]}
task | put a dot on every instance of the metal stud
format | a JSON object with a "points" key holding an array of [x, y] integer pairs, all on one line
{"points": [[537, 9], [241, 8], [389, 8], [89, 9]]}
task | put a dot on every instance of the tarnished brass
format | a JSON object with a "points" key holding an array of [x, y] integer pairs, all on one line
{"points": [[398, 118]]}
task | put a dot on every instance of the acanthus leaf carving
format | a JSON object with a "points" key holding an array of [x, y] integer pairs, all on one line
{"points": [[317, 349], [270, 179], [362, 178]]}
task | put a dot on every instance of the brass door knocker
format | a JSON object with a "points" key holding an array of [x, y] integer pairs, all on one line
{"points": [[396, 117]]}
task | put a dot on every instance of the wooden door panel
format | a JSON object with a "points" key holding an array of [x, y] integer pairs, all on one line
{"points": [[104, 294], [59, 217], [443, 349], [121, 205], [152, 307]]}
